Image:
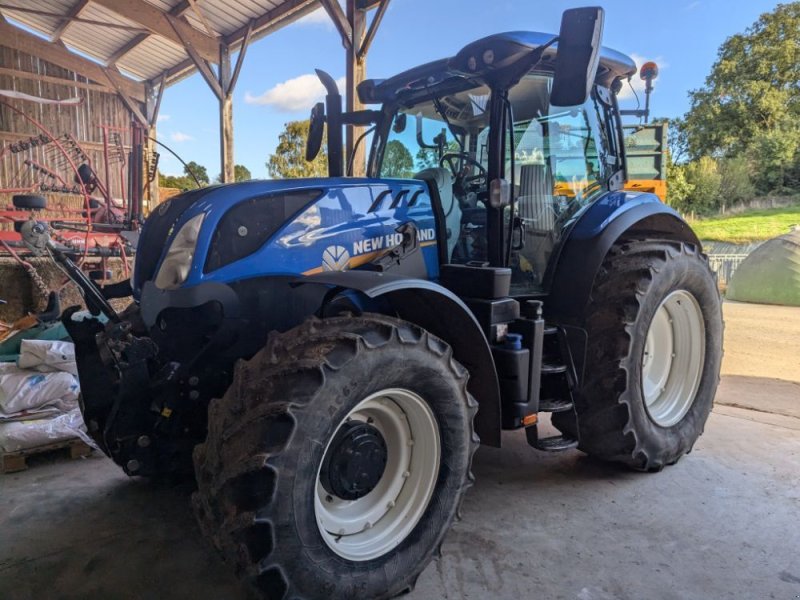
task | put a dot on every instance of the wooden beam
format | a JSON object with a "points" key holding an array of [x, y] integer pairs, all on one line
{"points": [[203, 65], [355, 73], [55, 15], [57, 80], [132, 105], [175, 11], [199, 13], [73, 12], [153, 103], [240, 60], [164, 24], [57, 54], [341, 21], [225, 117], [127, 47], [373, 29], [288, 12]]}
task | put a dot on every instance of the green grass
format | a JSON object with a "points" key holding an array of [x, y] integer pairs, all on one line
{"points": [[749, 226]]}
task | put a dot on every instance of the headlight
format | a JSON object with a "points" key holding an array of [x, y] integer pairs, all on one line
{"points": [[175, 267]]}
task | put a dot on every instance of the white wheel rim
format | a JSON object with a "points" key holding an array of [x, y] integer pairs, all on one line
{"points": [[673, 358], [378, 522]]}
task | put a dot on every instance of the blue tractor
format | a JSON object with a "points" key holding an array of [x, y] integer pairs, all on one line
{"points": [[327, 354]]}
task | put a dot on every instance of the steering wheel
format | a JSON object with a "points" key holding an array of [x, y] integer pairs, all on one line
{"points": [[452, 160]]}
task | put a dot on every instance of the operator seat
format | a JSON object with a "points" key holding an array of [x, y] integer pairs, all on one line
{"points": [[441, 181]]}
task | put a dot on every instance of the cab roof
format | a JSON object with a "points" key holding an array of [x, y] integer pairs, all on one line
{"points": [[415, 83]]}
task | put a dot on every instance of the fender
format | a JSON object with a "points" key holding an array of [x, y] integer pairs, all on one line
{"points": [[603, 223], [438, 310]]}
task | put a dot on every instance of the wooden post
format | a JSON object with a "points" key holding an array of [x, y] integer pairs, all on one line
{"points": [[356, 72], [225, 115], [153, 93]]}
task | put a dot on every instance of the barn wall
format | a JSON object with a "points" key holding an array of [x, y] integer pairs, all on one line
{"points": [[26, 73]]}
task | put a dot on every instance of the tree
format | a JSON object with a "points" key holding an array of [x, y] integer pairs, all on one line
{"points": [[240, 173], [289, 160], [397, 160], [752, 88], [704, 177], [199, 171], [186, 181]]}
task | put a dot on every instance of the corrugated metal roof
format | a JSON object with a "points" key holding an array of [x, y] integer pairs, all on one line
{"points": [[146, 50]]}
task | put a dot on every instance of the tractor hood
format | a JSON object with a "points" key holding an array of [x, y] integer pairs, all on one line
{"points": [[419, 80], [231, 222]]}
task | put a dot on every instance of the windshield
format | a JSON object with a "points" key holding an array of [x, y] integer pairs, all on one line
{"points": [[433, 129], [559, 162]]}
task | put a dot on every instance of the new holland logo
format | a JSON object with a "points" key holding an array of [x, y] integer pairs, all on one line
{"points": [[335, 258]]}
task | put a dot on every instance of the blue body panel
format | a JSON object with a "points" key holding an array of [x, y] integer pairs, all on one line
{"points": [[352, 222], [598, 215]]}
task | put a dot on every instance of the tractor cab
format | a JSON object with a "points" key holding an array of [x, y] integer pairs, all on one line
{"points": [[512, 143]]}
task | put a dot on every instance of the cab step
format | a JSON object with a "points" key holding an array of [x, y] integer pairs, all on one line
{"points": [[553, 369], [553, 405], [556, 443]]}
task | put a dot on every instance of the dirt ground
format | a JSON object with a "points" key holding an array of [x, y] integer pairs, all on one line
{"points": [[721, 524], [761, 366]]}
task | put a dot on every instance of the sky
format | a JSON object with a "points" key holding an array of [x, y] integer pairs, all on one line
{"points": [[277, 84]]}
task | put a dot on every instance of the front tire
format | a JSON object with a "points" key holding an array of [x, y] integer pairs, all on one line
{"points": [[337, 459], [653, 355]]}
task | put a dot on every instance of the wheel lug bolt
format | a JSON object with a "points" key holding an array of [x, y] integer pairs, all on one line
{"points": [[406, 474], [328, 498]]}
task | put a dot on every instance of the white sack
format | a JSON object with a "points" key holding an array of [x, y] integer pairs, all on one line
{"points": [[22, 435], [22, 390], [48, 355]]}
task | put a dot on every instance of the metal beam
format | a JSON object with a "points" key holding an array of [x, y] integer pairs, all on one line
{"points": [[341, 21], [56, 53], [164, 24], [71, 14]]}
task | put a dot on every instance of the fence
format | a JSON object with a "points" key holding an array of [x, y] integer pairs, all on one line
{"points": [[724, 265]]}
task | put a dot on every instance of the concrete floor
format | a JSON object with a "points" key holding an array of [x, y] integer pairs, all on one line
{"points": [[722, 523]]}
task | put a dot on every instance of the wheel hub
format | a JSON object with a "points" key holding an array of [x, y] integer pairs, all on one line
{"points": [[355, 461]]}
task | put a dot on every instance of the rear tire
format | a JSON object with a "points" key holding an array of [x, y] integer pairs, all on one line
{"points": [[269, 479], [653, 355], [29, 201]]}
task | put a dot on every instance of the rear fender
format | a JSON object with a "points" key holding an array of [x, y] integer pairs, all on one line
{"points": [[616, 216], [442, 313]]}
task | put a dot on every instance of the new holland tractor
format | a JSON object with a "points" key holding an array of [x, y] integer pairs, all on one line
{"points": [[327, 354]]}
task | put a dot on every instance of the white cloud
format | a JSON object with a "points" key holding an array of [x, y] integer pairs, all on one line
{"points": [[318, 17], [638, 84], [179, 136], [162, 118], [293, 95]]}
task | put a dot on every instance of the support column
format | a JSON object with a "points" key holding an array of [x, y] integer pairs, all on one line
{"points": [[225, 116], [153, 95], [356, 72]]}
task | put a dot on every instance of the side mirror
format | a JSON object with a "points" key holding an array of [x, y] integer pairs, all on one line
{"points": [[400, 122], [315, 131], [578, 55]]}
